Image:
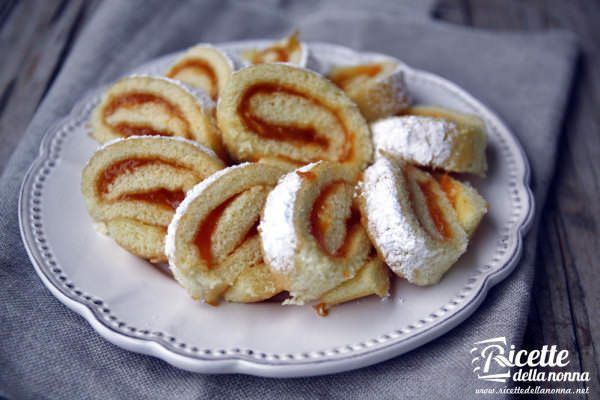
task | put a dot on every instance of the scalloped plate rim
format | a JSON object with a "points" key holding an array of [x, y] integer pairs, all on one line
{"points": [[237, 364]]}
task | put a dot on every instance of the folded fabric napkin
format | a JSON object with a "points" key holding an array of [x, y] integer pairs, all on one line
{"points": [[47, 351]]}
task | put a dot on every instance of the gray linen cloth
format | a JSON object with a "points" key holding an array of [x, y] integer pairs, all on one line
{"points": [[47, 351]]}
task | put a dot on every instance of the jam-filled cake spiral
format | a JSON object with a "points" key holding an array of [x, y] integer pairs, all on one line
{"points": [[133, 186], [144, 105], [204, 67], [469, 205], [279, 113], [213, 244], [378, 88], [287, 50], [311, 232], [411, 221]]}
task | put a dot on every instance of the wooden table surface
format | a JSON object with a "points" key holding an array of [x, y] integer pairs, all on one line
{"points": [[36, 36], [566, 294]]}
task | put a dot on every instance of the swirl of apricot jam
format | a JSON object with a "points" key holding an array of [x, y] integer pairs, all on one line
{"points": [[167, 198], [206, 228], [134, 99], [201, 66], [437, 215], [297, 135], [319, 225]]}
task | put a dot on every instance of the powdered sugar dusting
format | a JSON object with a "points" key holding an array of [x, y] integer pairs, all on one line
{"points": [[395, 80], [389, 223], [422, 140], [202, 148], [277, 226], [395, 229]]}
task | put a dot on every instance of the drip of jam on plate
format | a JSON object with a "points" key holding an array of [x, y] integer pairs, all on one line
{"points": [[321, 309]]}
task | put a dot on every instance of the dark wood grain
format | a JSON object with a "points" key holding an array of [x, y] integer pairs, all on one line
{"points": [[566, 292], [39, 34], [35, 37]]}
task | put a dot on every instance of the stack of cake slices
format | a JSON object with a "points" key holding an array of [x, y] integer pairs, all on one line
{"points": [[259, 176]]}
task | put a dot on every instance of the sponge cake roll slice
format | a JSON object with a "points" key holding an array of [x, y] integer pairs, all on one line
{"points": [[145, 105], [213, 244], [133, 186]]}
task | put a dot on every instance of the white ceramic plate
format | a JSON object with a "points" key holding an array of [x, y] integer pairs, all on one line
{"points": [[135, 306]]}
